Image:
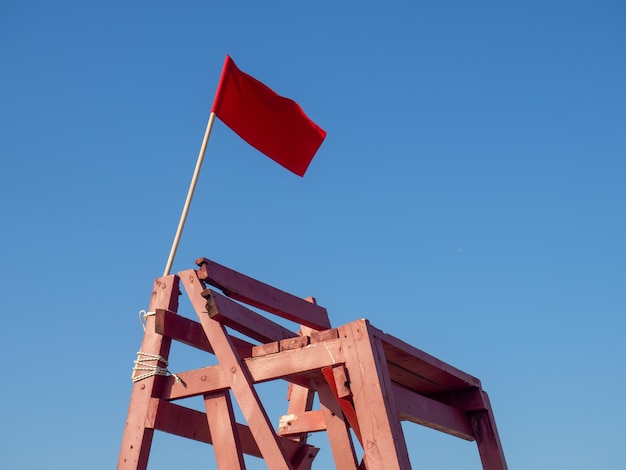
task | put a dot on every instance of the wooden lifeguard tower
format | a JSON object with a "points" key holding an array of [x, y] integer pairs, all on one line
{"points": [[366, 381]]}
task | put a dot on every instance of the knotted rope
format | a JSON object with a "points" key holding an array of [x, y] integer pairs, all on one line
{"points": [[145, 361]]}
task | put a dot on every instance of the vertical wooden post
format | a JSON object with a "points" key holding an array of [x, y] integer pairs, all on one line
{"points": [[301, 398], [487, 438], [381, 432], [223, 428], [138, 432], [341, 443]]}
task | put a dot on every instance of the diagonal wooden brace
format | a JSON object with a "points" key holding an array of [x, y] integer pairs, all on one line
{"points": [[238, 377]]}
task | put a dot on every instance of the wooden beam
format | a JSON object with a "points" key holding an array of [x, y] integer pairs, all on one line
{"points": [[263, 296], [383, 440], [418, 362], [239, 318], [430, 413], [190, 332], [300, 403], [223, 429], [347, 408], [239, 379], [192, 424], [470, 399], [301, 423], [292, 365], [137, 438], [341, 443], [487, 438]]}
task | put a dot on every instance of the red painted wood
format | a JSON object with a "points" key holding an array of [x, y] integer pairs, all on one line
{"points": [[295, 424], [137, 438], [191, 333], [239, 379], [362, 375], [374, 401], [418, 362], [300, 403], [222, 425], [470, 399], [244, 320], [324, 335], [342, 383], [265, 349], [263, 296], [296, 366], [430, 413], [487, 438], [346, 405], [338, 430], [294, 343], [192, 424], [195, 382]]}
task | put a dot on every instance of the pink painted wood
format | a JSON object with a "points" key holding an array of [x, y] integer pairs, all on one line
{"points": [[221, 420], [382, 437], [338, 429], [261, 295], [137, 438], [238, 378], [365, 379], [185, 422], [487, 438], [191, 333], [244, 320]]}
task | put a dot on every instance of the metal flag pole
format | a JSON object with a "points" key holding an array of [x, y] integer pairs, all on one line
{"points": [[192, 187]]}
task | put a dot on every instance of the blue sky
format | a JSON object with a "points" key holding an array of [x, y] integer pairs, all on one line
{"points": [[469, 199]]}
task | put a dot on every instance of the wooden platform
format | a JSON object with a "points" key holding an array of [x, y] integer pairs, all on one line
{"points": [[366, 381]]}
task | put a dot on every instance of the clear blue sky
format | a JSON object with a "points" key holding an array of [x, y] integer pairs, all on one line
{"points": [[469, 199]]}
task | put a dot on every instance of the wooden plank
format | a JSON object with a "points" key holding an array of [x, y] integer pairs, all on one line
{"points": [[181, 329], [430, 413], [265, 349], [429, 367], [341, 382], [239, 379], [411, 407], [263, 296], [195, 382], [383, 440], [296, 361], [222, 426], [239, 318], [137, 438], [190, 332], [294, 424], [300, 402], [294, 343], [487, 438], [324, 335], [192, 424], [413, 381], [338, 430], [292, 365], [347, 408], [469, 399], [300, 398]]}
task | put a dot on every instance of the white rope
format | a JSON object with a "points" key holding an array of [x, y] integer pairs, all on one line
{"points": [[143, 364], [143, 315]]}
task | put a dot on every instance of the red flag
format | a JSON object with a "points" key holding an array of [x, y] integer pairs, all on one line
{"points": [[273, 124]]}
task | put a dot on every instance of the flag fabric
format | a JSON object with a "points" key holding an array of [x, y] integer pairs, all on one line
{"points": [[273, 124]]}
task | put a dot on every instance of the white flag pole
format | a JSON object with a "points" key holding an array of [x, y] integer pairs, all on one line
{"points": [[192, 187]]}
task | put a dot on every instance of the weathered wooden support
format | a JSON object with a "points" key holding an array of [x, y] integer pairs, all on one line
{"points": [[367, 381], [137, 437]]}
